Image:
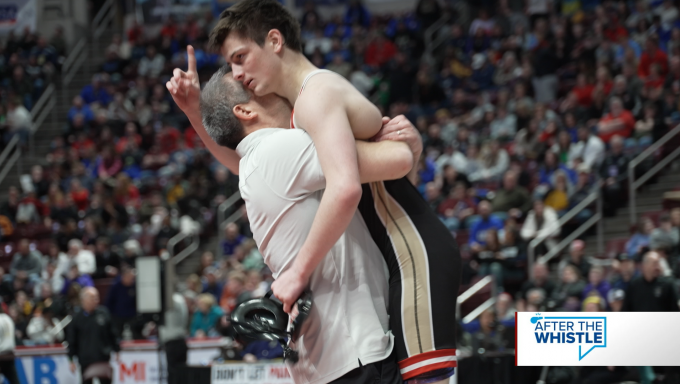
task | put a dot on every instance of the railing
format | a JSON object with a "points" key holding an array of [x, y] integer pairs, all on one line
{"points": [[8, 160], [633, 184], [465, 296], [73, 63], [222, 221], [479, 310], [103, 18], [595, 196], [40, 111], [434, 28], [183, 254]]}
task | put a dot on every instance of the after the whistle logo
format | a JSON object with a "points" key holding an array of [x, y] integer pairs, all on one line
{"points": [[587, 332]]}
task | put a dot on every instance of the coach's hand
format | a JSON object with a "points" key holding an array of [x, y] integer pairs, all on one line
{"points": [[185, 87], [288, 287], [401, 129]]}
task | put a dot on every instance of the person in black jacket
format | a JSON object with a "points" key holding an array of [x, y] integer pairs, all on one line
{"points": [[91, 335], [651, 292], [614, 172]]}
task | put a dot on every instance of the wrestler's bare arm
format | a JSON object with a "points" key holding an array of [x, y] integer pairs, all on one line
{"points": [[186, 91]]}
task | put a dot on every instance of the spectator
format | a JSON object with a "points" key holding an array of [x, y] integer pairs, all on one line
{"points": [[576, 258], [505, 309], [567, 295], [618, 122], [511, 198], [540, 281], [43, 328], [379, 51], [624, 272], [19, 122], [211, 283], [640, 238], [614, 172], [664, 239], [652, 55], [206, 317], [80, 108], [152, 64], [26, 263], [122, 301], [457, 207], [84, 258], [234, 292], [232, 239], [92, 339], [541, 221], [108, 164], [96, 92], [173, 334], [597, 284], [108, 262], [480, 227], [75, 281], [489, 337], [615, 299], [589, 150]]}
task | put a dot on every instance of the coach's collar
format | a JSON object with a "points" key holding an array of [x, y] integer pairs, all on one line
{"points": [[249, 142]]}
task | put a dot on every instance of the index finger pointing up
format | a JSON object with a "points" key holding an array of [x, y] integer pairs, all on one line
{"points": [[191, 59]]}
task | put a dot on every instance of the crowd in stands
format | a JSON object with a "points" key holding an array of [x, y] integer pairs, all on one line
{"points": [[524, 113], [28, 63]]}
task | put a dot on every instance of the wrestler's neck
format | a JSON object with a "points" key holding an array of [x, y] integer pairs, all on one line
{"points": [[295, 67]]}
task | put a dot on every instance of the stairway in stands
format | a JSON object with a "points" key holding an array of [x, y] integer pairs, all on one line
{"points": [[649, 202], [54, 125]]}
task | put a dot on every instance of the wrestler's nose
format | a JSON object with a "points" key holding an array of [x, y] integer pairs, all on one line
{"points": [[237, 72]]}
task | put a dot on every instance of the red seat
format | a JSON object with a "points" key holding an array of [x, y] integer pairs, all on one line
{"points": [[615, 246], [654, 216], [103, 286], [44, 245]]}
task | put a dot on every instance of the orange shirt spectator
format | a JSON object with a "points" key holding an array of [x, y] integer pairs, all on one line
{"points": [[617, 122], [583, 91], [379, 52], [652, 55], [79, 195]]}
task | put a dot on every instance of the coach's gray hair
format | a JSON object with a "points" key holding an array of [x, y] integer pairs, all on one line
{"points": [[218, 99]]}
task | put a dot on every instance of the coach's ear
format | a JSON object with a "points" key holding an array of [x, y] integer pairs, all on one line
{"points": [[243, 112], [275, 39]]}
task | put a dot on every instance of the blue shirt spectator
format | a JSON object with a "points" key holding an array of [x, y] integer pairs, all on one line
{"points": [[122, 297], [79, 107], [206, 317], [486, 222], [95, 92]]}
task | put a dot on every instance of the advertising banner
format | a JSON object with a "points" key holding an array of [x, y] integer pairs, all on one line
{"points": [[15, 15], [597, 338], [275, 373]]}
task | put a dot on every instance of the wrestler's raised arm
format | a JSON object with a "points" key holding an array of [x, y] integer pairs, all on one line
{"points": [[186, 90]]}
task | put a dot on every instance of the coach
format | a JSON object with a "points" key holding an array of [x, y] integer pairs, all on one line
{"points": [[650, 292], [91, 338]]}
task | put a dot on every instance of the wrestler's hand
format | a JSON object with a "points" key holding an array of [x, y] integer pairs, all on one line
{"points": [[400, 129], [185, 87], [288, 287]]}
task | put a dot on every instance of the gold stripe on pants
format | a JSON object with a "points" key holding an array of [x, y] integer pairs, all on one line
{"points": [[412, 257]]}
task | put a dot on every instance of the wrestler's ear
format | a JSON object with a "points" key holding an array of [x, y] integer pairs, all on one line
{"points": [[243, 112], [275, 40]]}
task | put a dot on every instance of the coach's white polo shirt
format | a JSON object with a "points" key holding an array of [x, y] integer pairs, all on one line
{"points": [[282, 183]]}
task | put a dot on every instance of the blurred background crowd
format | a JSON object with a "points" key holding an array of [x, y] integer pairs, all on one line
{"points": [[525, 108]]}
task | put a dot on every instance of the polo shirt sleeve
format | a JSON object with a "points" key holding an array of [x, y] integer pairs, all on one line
{"points": [[289, 163]]}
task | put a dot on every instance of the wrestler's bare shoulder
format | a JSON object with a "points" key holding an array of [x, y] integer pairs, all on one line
{"points": [[334, 91]]}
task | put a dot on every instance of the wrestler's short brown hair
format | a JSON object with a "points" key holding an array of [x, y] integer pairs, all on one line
{"points": [[253, 19]]}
